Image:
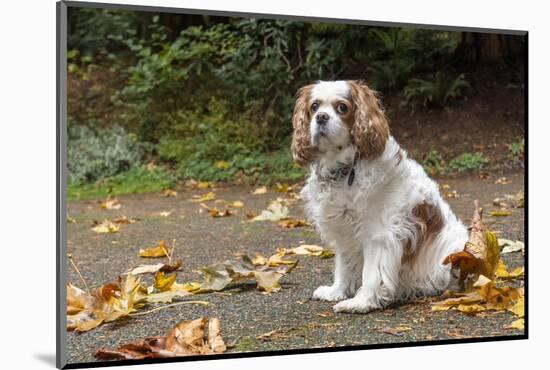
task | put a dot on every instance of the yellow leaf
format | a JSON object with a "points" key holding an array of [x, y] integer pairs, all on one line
{"points": [[169, 193], [164, 282], [470, 308], [105, 227], [161, 250], [237, 204], [518, 324], [518, 308], [501, 213], [283, 188], [260, 190], [503, 273], [293, 223], [110, 203], [204, 198]]}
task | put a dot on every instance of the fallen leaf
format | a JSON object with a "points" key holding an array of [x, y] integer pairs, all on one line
{"points": [[518, 308], [184, 339], [214, 212], [502, 181], [160, 250], [237, 204], [105, 227], [152, 269], [518, 324], [480, 255], [164, 213], [123, 220], [500, 213], [204, 198], [110, 203], [259, 191], [71, 220], [276, 211], [169, 193], [164, 282], [283, 188], [503, 273], [451, 194], [518, 199], [219, 276], [397, 331], [271, 335], [509, 246], [293, 223]]}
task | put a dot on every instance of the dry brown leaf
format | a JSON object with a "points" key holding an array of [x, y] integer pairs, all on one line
{"points": [[160, 250], [276, 211], [500, 213], [480, 255], [153, 269], [214, 212], [123, 220], [110, 203], [169, 193], [105, 227], [397, 331], [502, 181], [184, 339], [204, 198], [293, 223], [272, 335], [259, 191]]}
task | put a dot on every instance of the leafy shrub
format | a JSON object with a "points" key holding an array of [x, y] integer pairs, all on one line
{"points": [[139, 179], [468, 162], [517, 149], [262, 167], [92, 155], [437, 91], [433, 163]]}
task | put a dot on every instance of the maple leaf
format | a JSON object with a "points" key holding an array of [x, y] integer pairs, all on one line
{"points": [[276, 211], [184, 339], [480, 255], [293, 223], [160, 250], [204, 198], [110, 203], [259, 191], [169, 193], [105, 227], [152, 269]]}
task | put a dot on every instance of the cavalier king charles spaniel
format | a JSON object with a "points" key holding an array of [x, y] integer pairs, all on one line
{"points": [[383, 215]]}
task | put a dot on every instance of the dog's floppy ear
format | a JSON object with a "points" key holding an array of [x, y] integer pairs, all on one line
{"points": [[302, 150], [370, 129]]}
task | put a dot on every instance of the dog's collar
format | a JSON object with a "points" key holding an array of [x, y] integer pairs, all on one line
{"points": [[342, 171]]}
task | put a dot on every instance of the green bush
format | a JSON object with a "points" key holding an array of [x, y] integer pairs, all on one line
{"points": [[437, 91], [433, 163], [468, 162], [93, 155], [517, 149], [140, 179]]}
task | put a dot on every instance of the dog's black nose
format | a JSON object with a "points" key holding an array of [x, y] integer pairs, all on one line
{"points": [[321, 118]]}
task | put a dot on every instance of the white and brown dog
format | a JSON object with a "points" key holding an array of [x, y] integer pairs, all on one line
{"points": [[390, 228]]}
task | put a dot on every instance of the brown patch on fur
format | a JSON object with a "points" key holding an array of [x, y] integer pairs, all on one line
{"points": [[429, 223], [398, 156], [370, 130], [302, 151]]}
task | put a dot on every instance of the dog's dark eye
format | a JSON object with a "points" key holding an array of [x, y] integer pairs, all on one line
{"points": [[342, 108], [314, 107]]}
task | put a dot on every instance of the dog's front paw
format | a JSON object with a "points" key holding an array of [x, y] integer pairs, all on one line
{"points": [[356, 305], [329, 293]]}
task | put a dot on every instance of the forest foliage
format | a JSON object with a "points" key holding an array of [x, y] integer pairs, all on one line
{"points": [[186, 92]]}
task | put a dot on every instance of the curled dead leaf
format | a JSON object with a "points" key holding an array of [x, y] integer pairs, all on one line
{"points": [[184, 339], [160, 250]]}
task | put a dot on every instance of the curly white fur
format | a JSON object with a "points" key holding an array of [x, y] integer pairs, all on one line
{"points": [[372, 224]]}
